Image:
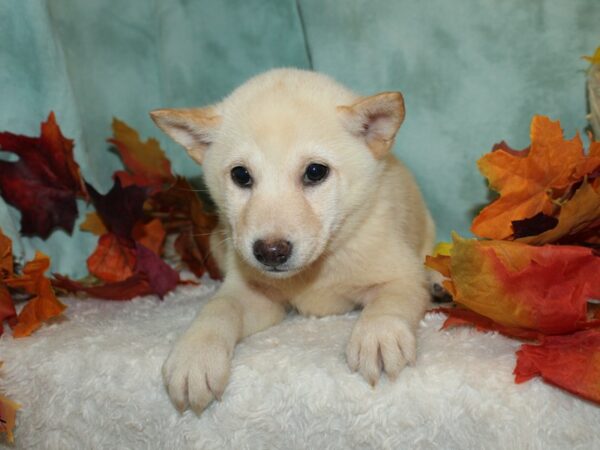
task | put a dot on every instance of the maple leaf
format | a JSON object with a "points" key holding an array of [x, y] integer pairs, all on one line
{"points": [[182, 212], [570, 362], [135, 286], [146, 162], [43, 305], [120, 208], [545, 289], [151, 275], [7, 306], [45, 182], [6, 256], [465, 317], [595, 58], [160, 275], [8, 412], [113, 259], [151, 235], [529, 180], [93, 224], [577, 217]]}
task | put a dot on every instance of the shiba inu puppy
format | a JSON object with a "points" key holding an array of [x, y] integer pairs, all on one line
{"points": [[315, 214]]}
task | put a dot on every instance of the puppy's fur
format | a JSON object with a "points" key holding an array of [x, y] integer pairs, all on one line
{"points": [[358, 237]]}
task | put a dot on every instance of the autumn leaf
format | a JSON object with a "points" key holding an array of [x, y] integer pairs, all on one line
{"points": [[135, 286], [578, 216], [113, 259], [44, 183], [151, 275], [458, 317], [595, 58], [8, 412], [183, 213], [545, 289], [160, 275], [6, 256], [571, 362], [7, 306], [93, 224], [529, 180], [43, 305], [146, 162], [120, 208], [151, 235]]}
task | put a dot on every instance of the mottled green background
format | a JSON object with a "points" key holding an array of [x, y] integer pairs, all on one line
{"points": [[473, 72]]}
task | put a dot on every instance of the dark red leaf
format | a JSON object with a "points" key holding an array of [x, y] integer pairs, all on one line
{"points": [[120, 208], [161, 276], [44, 183], [134, 286]]}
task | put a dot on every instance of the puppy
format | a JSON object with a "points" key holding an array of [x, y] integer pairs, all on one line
{"points": [[315, 214]]}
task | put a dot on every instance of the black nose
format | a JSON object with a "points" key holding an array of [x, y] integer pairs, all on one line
{"points": [[272, 253]]}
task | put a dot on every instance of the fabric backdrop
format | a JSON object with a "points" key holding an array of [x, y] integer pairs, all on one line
{"points": [[472, 72]]}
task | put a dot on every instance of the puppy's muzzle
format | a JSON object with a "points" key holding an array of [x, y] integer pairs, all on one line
{"points": [[272, 253]]}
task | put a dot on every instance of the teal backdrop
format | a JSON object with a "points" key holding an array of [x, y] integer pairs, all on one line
{"points": [[473, 72]]}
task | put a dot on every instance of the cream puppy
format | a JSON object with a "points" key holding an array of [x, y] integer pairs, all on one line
{"points": [[315, 214]]}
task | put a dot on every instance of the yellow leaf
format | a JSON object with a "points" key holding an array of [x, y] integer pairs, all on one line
{"points": [[595, 58], [8, 412], [93, 224]]}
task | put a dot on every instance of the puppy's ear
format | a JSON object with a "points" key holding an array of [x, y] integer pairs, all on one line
{"points": [[192, 128], [376, 119]]}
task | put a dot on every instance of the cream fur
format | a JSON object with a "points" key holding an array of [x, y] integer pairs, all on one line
{"points": [[359, 237]]}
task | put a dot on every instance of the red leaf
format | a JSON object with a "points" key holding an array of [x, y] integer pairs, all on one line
{"points": [[44, 183], [134, 286], [7, 306], [571, 362], [545, 289], [121, 208], [183, 212], [44, 305], [161, 276], [113, 260], [151, 235], [458, 317]]}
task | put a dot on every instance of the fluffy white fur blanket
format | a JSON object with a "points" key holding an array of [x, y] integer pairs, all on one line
{"points": [[93, 382]]}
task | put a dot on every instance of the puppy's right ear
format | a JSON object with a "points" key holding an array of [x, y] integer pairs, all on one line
{"points": [[194, 129]]}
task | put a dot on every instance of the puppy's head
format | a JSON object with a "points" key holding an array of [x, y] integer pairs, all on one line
{"points": [[288, 157]]}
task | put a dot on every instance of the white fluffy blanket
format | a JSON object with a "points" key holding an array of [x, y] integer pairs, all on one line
{"points": [[93, 382]]}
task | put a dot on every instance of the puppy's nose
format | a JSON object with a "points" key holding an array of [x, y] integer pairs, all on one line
{"points": [[272, 253]]}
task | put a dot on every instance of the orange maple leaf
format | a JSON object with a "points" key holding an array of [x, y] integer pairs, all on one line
{"points": [[8, 412], [93, 224], [44, 305], [544, 289], [529, 180], [578, 218], [146, 162], [6, 256], [113, 260], [151, 235]]}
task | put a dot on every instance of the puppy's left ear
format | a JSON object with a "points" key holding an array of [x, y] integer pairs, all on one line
{"points": [[376, 119], [194, 129]]}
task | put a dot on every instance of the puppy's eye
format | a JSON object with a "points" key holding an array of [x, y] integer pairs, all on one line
{"points": [[241, 176], [315, 173]]}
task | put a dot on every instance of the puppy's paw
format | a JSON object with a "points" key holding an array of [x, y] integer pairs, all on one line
{"points": [[197, 371], [381, 343]]}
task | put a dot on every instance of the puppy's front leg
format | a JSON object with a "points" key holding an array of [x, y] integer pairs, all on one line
{"points": [[197, 369], [383, 338]]}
